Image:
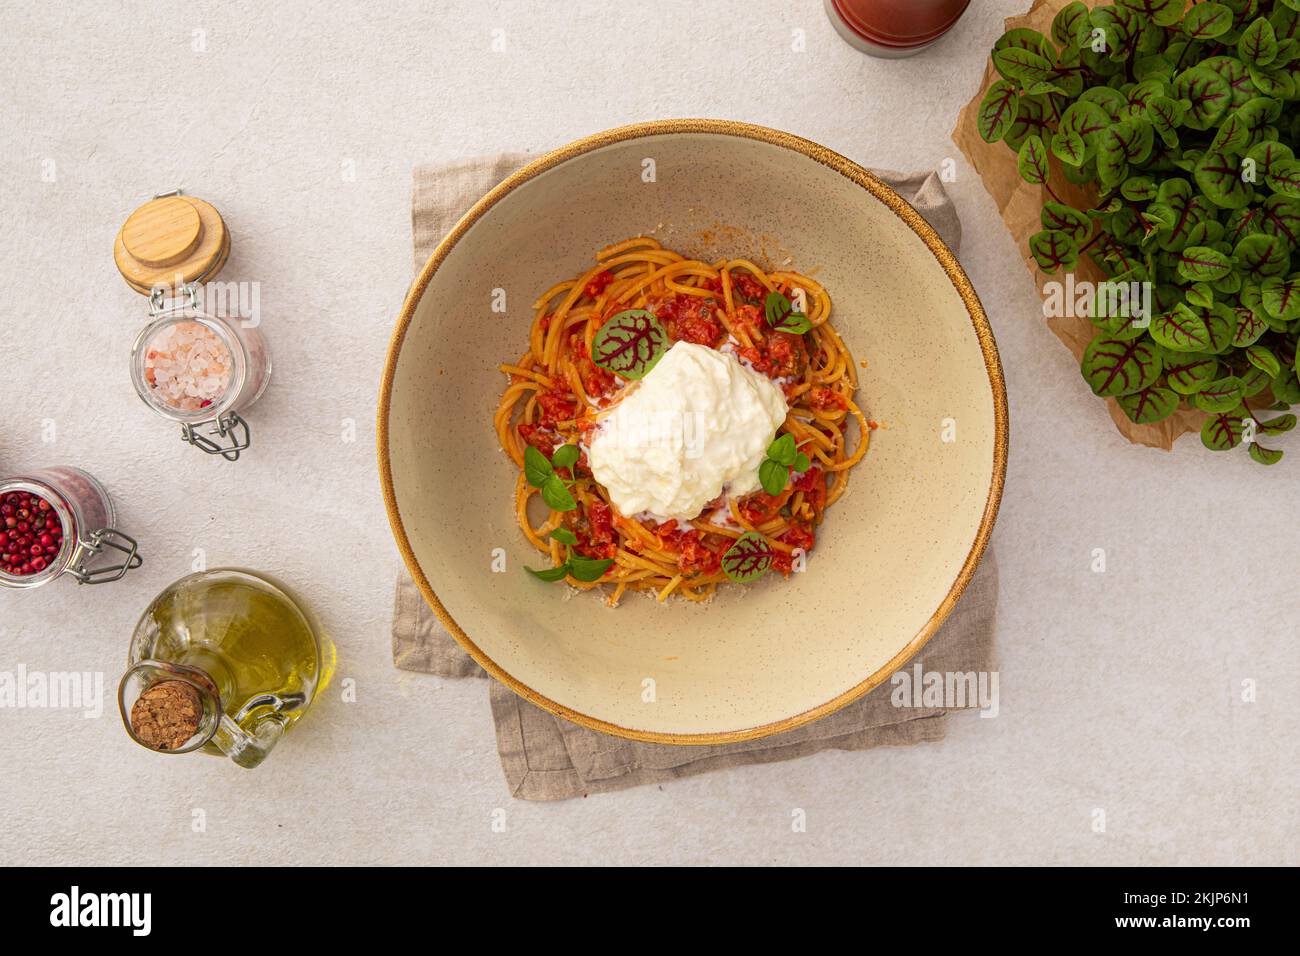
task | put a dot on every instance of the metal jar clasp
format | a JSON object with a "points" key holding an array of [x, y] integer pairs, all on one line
{"points": [[99, 540], [230, 430]]}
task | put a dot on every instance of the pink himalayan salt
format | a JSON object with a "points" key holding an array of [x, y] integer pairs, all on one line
{"points": [[187, 366]]}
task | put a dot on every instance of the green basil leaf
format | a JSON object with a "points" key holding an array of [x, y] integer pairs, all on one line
{"points": [[589, 569], [564, 536], [556, 495], [749, 558], [1113, 366], [773, 476], [566, 456], [550, 575], [630, 344], [801, 463], [536, 468], [782, 449]]}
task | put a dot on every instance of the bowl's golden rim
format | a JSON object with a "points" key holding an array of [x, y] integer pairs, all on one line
{"points": [[846, 168]]}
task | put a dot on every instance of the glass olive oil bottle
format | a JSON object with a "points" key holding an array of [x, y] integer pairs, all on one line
{"points": [[224, 661]]}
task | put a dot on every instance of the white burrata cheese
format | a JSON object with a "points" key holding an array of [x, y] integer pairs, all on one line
{"points": [[698, 424]]}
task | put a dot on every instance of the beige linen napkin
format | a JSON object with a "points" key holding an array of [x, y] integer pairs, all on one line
{"points": [[547, 758]]}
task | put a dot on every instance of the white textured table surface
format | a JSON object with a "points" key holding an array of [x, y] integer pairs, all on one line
{"points": [[1120, 691]]}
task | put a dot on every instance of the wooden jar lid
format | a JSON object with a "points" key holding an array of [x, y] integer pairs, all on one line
{"points": [[168, 237]]}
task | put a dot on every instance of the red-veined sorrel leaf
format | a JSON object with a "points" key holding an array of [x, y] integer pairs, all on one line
{"points": [[1164, 12], [1203, 264], [1032, 161], [1282, 219], [781, 315], [1181, 329], [1223, 431], [1261, 256], [998, 110], [1219, 397], [1149, 405], [1249, 327], [1054, 249], [1066, 219], [1188, 374], [1281, 298], [1113, 366], [630, 343], [1277, 426], [749, 558], [1017, 63], [1219, 176], [1207, 93], [1265, 456], [1262, 357], [1267, 154], [1205, 21], [1258, 43], [1284, 177]]}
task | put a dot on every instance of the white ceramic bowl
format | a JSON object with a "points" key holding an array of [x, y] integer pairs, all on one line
{"points": [[892, 556]]}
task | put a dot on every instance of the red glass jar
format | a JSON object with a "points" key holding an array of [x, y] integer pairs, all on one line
{"points": [[894, 28]]}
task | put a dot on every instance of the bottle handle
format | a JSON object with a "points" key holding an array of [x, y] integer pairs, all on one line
{"points": [[248, 748]]}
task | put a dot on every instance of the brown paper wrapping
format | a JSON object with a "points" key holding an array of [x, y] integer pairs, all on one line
{"points": [[1020, 204]]}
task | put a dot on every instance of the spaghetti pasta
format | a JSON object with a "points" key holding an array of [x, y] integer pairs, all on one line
{"points": [[556, 394]]}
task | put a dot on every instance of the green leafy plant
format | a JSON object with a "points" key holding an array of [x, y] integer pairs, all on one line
{"points": [[1184, 122], [630, 344], [781, 315], [749, 558], [580, 566], [544, 475], [782, 456]]}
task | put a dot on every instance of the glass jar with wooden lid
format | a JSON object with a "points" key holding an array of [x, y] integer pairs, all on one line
{"points": [[201, 360]]}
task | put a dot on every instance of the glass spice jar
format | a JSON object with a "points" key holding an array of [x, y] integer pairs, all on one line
{"points": [[191, 365], [199, 369], [60, 521]]}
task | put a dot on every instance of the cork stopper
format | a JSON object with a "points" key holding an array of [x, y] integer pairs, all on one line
{"points": [[167, 715], [169, 238]]}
